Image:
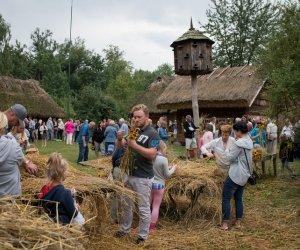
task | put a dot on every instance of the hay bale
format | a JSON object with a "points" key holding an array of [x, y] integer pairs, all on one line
{"points": [[22, 226], [195, 190], [91, 191], [103, 165]]}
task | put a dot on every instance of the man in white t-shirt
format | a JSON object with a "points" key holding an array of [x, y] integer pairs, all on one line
{"points": [[272, 137], [213, 123]]}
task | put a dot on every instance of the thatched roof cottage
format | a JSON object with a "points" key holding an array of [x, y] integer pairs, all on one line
{"points": [[226, 92], [28, 93], [151, 95]]}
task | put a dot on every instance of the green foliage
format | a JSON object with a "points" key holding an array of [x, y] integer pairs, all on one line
{"points": [[281, 62], [5, 34], [240, 29], [93, 104], [163, 69], [99, 86]]}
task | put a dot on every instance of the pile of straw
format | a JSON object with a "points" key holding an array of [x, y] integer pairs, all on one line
{"points": [[102, 165], [194, 190], [92, 192], [23, 227]]}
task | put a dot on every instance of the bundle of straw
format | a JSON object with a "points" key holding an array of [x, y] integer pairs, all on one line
{"points": [[194, 190], [22, 227], [127, 163]]}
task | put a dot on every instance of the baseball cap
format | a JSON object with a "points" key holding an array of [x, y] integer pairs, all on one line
{"points": [[20, 112]]}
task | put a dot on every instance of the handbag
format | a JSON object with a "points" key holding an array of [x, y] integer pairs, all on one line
{"points": [[252, 178]]}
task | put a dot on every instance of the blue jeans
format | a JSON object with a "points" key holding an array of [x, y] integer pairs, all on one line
{"points": [[231, 189], [49, 134], [83, 153]]}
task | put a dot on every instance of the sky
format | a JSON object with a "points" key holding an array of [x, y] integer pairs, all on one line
{"points": [[143, 29]]}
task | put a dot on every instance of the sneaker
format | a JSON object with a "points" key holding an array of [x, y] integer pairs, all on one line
{"points": [[139, 241], [152, 228], [119, 234]]}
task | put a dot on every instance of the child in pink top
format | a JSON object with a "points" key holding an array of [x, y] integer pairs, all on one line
{"points": [[69, 127], [208, 136]]}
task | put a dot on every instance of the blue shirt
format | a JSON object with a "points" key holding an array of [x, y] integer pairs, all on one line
{"points": [[110, 134], [163, 134], [85, 131], [253, 133]]}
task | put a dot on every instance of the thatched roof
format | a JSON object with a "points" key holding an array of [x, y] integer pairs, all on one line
{"points": [[150, 96], [225, 87], [192, 34], [28, 93]]}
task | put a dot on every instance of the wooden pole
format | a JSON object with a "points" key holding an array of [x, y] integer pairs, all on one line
{"points": [[195, 100]]}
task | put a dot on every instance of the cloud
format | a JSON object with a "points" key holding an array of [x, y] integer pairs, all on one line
{"points": [[143, 29]]}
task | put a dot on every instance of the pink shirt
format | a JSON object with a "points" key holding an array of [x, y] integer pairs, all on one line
{"points": [[69, 126], [207, 137]]}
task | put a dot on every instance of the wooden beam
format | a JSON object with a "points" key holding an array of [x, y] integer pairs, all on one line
{"points": [[240, 70], [212, 73], [223, 71]]}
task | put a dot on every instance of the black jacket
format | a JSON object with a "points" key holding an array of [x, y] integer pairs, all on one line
{"points": [[98, 135], [189, 130]]}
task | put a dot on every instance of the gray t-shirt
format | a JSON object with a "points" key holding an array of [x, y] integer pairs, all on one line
{"points": [[10, 158], [143, 167], [161, 169]]}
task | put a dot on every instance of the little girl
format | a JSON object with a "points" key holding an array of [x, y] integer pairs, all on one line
{"points": [[57, 200], [43, 131], [161, 172]]}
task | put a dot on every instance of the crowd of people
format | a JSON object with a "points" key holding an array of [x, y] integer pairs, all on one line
{"points": [[231, 143]]}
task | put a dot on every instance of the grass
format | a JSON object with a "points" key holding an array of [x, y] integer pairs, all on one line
{"points": [[69, 152]]}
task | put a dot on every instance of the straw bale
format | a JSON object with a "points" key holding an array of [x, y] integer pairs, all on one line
{"points": [[103, 165], [23, 226], [194, 190]]}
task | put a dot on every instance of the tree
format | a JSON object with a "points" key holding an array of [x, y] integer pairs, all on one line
{"points": [[163, 69], [5, 49], [93, 104], [21, 62], [5, 34], [240, 28], [280, 62]]}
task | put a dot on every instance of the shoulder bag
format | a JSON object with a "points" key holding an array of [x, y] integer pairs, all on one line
{"points": [[252, 178]]}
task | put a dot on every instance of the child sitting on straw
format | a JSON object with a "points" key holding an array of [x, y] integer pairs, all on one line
{"points": [[161, 172], [58, 201]]}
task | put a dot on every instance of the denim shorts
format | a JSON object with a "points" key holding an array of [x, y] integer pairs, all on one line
{"points": [[157, 186]]}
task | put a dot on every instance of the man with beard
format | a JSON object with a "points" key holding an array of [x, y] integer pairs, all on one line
{"points": [[144, 149]]}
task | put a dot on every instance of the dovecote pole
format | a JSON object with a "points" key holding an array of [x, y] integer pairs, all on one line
{"points": [[193, 57]]}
